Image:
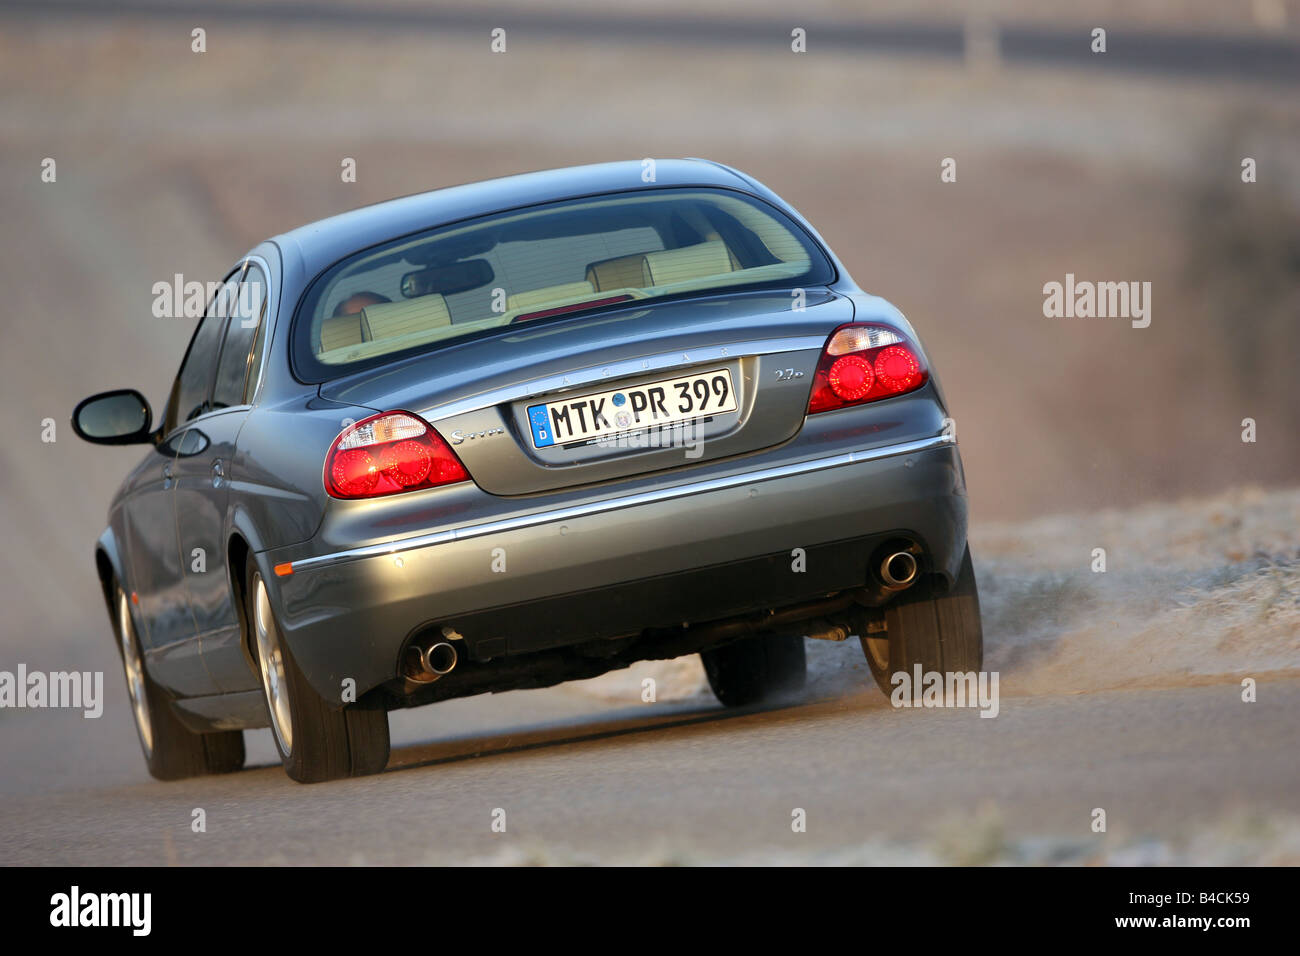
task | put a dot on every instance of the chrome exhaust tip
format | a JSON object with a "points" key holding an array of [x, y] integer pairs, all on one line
{"points": [[440, 658], [426, 664], [898, 570]]}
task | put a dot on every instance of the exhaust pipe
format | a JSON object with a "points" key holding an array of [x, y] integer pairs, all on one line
{"points": [[898, 570], [440, 658], [828, 631], [426, 664]]}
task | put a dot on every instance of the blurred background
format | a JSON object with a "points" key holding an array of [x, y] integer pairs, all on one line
{"points": [[1122, 166]]}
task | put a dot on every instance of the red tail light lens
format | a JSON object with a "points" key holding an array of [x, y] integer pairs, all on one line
{"points": [[865, 363], [851, 378], [388, 453]]}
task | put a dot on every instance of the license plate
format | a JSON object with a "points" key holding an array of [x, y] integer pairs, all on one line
{"points": [[619, 410]]}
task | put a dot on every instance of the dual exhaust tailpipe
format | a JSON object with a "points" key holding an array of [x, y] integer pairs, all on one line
{"points": [[425, 663], [898, 570], [892, 568]]}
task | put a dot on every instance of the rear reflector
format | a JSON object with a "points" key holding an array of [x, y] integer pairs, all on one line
{"points": [[865, 363], [389, 453]]}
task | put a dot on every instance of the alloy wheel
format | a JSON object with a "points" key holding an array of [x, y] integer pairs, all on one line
{"points": [[134, 668], [270, 659]]}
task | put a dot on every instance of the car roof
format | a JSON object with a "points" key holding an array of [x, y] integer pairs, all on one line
{"points": [[320, 244]]}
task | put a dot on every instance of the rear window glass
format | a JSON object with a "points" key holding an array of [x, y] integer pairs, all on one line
{"points": [[543, 264]]}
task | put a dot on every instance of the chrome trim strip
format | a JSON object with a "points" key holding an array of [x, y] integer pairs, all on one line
{"points": [[626, 367], [623, 501], [266, 318]]}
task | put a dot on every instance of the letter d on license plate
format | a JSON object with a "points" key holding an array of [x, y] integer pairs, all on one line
{"points": [[628, 409]]}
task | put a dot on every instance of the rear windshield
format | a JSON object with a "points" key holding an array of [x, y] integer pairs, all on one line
{"points": [[544, 264]]}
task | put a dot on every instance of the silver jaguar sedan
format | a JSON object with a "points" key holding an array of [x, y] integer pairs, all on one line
{"points": [[520, 432]]}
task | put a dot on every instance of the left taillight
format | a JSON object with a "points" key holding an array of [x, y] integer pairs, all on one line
{"points": [[389, 453], [865, 363]]}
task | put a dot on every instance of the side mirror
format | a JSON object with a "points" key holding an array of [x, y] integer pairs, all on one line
{"points": [[120, 417]]}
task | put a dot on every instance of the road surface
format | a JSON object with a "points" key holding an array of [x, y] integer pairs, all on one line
{"points": [[688, 782]]}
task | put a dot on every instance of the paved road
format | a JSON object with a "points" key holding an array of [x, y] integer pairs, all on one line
{"points": [[688, 782], [1138, 50]]}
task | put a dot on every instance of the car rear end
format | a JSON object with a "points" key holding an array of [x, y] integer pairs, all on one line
{"points": [[652, 445]]}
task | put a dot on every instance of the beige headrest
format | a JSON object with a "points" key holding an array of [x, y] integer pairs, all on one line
{"points": [[621, 273], [551, 293], [340, 332], [690, 262], [389, 320]]}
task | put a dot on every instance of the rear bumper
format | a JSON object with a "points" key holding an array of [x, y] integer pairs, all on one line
{"points": [[609, 567]]}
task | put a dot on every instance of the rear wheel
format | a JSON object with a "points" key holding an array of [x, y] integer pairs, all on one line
{"points": [[939, 629], [755, 669], [317, 742], [171, 750]]}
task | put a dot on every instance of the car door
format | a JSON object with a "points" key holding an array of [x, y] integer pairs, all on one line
{"points": [[203, 476], [169, 637]]}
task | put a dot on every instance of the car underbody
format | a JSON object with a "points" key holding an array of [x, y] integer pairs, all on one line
{"points": [[850, 590]]}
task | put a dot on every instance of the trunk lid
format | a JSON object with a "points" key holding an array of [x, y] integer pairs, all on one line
{"points": [[611, 395]]}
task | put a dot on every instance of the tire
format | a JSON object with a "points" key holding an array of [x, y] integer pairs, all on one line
{"points": [[171, 750], [316, 741], [754, 669], [936, 628]]}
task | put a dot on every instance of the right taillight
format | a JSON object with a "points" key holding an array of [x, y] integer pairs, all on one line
{"points": [[389, 453], [865, 363]]}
